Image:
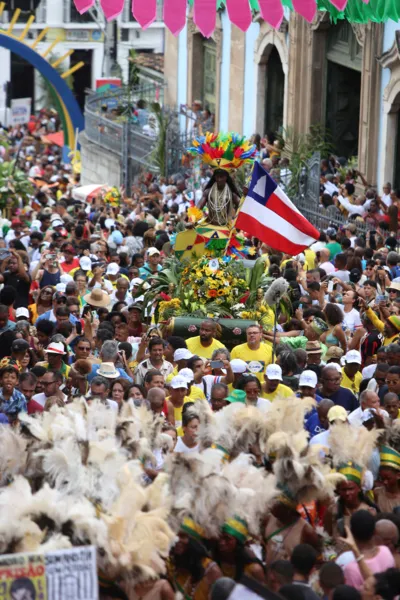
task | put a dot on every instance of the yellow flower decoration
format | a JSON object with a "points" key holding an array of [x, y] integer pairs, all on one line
{"points": [[195, 214]]}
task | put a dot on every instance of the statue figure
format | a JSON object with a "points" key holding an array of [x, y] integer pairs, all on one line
{"points": [[224, 153]]}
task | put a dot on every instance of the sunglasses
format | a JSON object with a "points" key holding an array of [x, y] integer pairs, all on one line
{"points": [[61, 301]]}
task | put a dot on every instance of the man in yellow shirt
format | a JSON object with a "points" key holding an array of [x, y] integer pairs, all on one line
{"points": [[178, 389], [272, 387], [205, 344], [254, 352], [351, 372]]}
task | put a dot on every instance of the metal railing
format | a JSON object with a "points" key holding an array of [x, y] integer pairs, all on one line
{"points": [[307, 200], [111, 123]]}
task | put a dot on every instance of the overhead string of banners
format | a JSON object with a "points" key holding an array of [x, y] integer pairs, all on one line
{"points": [[241, 12]]}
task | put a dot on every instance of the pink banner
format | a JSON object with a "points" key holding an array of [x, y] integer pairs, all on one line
{"points": [[175, 15], [204, 15], [83, 5], [272, 12], [239, 13], [144, 11], [112, 8], [305, 8], [339, 4]]}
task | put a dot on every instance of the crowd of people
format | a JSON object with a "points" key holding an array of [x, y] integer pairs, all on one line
{"points": [[281, 454]]}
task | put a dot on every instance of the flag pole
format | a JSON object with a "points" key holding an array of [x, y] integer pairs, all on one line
{"points": [[242, 199]]}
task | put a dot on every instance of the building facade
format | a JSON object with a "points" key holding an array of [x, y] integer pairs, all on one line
{"points": [[344, 77], [88, 35]]}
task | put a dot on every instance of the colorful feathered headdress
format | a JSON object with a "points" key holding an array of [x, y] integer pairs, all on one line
{"points": [[227, 151]]}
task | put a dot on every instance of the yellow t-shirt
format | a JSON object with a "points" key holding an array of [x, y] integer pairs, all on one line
{"points": [[170, 377], [310, 257], [353, 386], [282, 391], [195, 346], [178, 415], [257, 360], [196, 394]]}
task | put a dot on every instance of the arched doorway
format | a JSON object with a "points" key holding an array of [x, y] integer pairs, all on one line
{"points": [[204, 69], [271, 59], [274, 92], [344, 56]]}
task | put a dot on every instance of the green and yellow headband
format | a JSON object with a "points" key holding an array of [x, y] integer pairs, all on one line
{"points": [[286, 497], [193, 529], [237, 528], [389, 458], [225, 454], [351, 471]]}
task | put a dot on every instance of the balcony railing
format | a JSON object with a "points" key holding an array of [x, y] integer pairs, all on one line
{"points": [[109, 122]]}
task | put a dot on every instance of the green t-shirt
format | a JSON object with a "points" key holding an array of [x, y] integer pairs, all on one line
{"points": [[334, 248]]}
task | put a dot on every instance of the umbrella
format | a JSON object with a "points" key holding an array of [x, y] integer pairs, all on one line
{"points": [[54, 139], [196, 241]]}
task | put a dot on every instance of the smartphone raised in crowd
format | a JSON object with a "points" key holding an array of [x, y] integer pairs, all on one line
{"points": [[216, 364], [330, 287]]}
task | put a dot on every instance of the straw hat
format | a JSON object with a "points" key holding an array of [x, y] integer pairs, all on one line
{"points": [[97, 298], [108, 370]]}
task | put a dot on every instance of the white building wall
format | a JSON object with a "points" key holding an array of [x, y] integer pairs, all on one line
{"points": [[388, 39], [55, 14]]}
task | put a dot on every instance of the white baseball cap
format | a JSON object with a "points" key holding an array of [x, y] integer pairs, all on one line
{"points": [[57, 223], [187, 374], [61, 287], [85, 263], [136, 281], [55, 348], [152, 251], [353, 356], [109, 223], [308, 379], [35, 225], [238, 365], [182, 354], [66, 278], [22, 312], [274, 372], [178, 382], [112, 269]]}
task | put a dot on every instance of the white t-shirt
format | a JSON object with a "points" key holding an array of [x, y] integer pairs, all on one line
{"points": [[321, 438], [386, 199], [41, 398], [368, 372], [181, 447], [263, 404], [355, 417], [327, 267], [351, 319], [112, 404], [206, 384], [343, 275]]}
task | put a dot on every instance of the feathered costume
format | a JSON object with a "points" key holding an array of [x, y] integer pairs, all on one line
{"points": [[226, 151], [74, 476], [351, 450], [223, 152]]}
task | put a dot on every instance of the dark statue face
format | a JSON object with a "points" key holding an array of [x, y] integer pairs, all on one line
{"points": [[221, 178]]}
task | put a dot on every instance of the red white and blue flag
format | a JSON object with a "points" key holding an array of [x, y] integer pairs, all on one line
{"points": [[269, 215]]}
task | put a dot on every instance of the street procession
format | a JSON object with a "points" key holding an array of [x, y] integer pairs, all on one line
{"points": [[200, 300]]}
